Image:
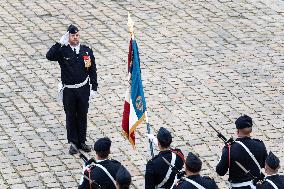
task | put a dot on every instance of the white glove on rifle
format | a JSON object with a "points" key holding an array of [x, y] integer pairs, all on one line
{"points": [[85, 167], [93, 94], [64, 40], [153, 139]]}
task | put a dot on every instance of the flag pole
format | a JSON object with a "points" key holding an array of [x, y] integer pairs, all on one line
{"points": [[130, 24], [149, 131]]}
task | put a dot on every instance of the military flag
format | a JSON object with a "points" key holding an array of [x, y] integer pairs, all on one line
{"points": [[134, 104]]}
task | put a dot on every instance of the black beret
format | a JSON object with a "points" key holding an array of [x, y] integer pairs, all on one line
{"points": [[272, 161], [103, 144], [123, 176], [72, 29], [164, 135], [193, 163], [243, 122]]}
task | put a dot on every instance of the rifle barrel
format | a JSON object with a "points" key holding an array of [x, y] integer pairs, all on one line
{"points": [[220, 135], [212, 127]]}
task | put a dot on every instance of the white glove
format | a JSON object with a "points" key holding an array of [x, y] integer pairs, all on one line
{"points": [[153, 139], [83, 172], [93, 94], [60, 92], [64, 40], [175, 182]]}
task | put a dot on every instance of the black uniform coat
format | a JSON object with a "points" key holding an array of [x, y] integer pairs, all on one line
{"points": [[73, 69], [156, 170], [278, 180], [99, 176], [206, 182], [238, 153], [75, 100]]}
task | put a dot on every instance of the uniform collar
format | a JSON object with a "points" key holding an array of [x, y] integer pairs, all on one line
{"points": [[165, 152], [77, 48], [193, 176], [243, 138], [271, 175], [101, 160]]}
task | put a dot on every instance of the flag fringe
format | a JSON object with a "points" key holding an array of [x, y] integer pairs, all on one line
{"points": [[136, 124]]}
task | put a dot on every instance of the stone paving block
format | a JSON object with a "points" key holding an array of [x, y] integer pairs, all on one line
{"points": [[210, 61]]}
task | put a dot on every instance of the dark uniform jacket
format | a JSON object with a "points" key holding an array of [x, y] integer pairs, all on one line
{"points": [[100, 177], [156, 169], [276, 179], [238, 153], [73, 70], [206, 182]]}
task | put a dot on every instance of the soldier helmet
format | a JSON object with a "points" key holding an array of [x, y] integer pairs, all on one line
{"points": [[164, 136], [243, 122], [193, 163], [72, 29], [272, 161], [103, 144], [123, 177]]}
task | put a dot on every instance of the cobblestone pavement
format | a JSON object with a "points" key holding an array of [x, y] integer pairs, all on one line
{"points": [[202, 60]]}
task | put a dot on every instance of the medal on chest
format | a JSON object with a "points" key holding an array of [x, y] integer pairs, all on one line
{"points": [[87, 60]]}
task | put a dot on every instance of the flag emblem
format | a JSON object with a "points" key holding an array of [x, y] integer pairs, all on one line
{"points": [[139, 103]]}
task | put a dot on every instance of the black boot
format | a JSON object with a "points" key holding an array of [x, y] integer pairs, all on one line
{"points": [[85, 147], [72, 150]]}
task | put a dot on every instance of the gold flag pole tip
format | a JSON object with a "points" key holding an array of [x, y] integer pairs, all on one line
{"points": [[130, 25]]}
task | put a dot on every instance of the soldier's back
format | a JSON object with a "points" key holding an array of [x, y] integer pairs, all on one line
{"points": [[278, 180], [100, 176], [156, 169], [238, 153], [204, 181]]}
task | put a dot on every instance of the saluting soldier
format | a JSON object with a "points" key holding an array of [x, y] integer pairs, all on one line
{"points": [[79, 82], [193, 179], [123, 178], [158, 173], [104, 171], [273, 180], [249, 152]]}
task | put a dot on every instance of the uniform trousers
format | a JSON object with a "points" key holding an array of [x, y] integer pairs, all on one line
{"points": [[76, 104]]}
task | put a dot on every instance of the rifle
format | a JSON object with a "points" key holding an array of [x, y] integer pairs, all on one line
{"points": [[179, 173], [254, 178], [221, 136], [86, 162]]}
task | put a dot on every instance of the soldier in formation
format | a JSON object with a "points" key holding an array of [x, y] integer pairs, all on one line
{"points": [[248, 151], [158, 173]]}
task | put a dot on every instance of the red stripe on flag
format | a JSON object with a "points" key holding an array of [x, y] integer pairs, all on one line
{"points": [[125, 119], [132, 139]]}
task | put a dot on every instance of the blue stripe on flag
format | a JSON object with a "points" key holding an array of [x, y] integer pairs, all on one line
{"points": [[137, 93]]}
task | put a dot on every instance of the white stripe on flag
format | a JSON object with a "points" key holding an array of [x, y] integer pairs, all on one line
{"points": [[133, 118]]}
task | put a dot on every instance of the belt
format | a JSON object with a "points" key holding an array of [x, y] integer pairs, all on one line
{"points": [[241, 184], [76, 86]]}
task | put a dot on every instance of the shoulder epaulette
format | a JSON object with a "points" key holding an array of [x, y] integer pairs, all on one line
{"points": [[114, 161], [155, 157], [256, 139], [86, 46]]}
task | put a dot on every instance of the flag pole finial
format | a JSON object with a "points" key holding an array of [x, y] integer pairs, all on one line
{"points": [[130, 25]]}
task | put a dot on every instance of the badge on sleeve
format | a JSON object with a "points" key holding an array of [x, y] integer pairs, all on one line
{"points": [[87, 61]]}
